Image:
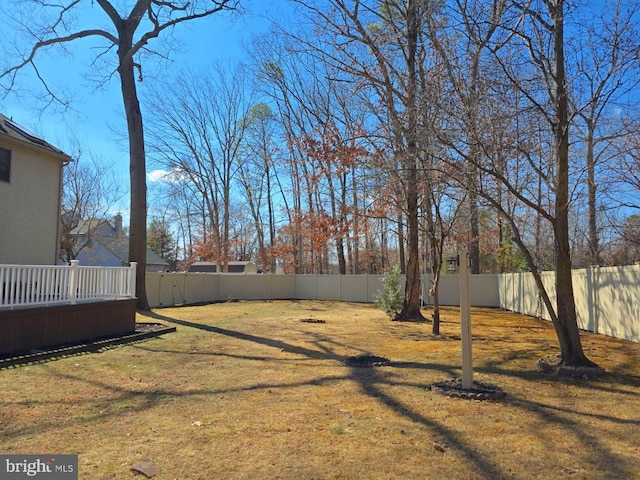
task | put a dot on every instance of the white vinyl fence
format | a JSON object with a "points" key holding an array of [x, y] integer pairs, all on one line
{"points": [[43, 285], [607, 298], [168, 289]]}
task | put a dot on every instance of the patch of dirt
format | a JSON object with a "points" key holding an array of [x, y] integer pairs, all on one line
{"points": [[312, 320], [367, 361]]}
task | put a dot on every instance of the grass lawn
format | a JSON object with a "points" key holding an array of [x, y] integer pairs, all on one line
{"points": [[247, 390]]}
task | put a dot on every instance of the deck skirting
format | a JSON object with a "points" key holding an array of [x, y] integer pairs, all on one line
{"points": [[28, 329]]}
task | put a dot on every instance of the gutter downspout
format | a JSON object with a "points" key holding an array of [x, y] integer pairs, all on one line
{"points": [[63, 163]]}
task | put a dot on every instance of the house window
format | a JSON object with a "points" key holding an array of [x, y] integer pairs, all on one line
{"points": [[5, 164]]}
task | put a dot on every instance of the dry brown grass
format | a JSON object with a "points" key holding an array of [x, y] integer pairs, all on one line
{"points": [[247, 390]]}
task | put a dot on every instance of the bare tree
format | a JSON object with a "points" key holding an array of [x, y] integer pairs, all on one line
{"points": [[525, 44], [198, 132], [440, 217], [539, 29], [606, 72], [626, 166], [564, 315], [463, 53], [134, 25], [176, 201], [89, 192], [258, 177], [378, 51], [281, 80], [320, 155]]}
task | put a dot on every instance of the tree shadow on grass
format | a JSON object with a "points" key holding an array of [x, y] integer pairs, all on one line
{"points": [[368, 384], [372, 383], [593, 451], [597, 453], [270, 342]]}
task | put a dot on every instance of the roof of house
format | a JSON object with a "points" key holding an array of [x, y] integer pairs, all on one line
{"points": [[121, 250], [85, 227], [117, 245], [229, 262], [233, 266], [10, 129]]}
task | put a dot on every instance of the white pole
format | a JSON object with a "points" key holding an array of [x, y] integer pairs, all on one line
{"points": [[73, 281], [132, 279], [465, 319]]}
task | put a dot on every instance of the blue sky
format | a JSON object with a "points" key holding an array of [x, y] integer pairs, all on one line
{"points": [[97, 118]]}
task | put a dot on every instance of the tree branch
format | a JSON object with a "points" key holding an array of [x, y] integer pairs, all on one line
{"points": [[54, 41]]}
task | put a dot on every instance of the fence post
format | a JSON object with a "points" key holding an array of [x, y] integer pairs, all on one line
{"points": [[132, 279], [366, 289], [73, 282], [520, 293], [592, 298]]}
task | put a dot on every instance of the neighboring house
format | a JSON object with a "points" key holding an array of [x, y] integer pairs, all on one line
{"points": [[30, 196], [233, 267], [103, 244]]}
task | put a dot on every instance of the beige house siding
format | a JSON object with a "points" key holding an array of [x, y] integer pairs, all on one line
{"points": [[30, 206]]}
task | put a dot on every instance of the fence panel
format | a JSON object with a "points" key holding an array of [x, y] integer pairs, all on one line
{"points": [[607, 298], [232, 286], [305, 287], [199, 288], [355, 288], [615, 302], [327, 287], [269, 287]]}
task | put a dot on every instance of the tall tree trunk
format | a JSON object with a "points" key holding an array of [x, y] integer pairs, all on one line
{"points": [[137, 170], [566, 325], [380, 264], [271, 266], [411, 308], [435, 315], [401, 243], [356, 225], [594, 241]]}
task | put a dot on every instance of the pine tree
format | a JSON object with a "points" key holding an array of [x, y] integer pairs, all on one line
{"points": [[160, 240], [390, 299]]}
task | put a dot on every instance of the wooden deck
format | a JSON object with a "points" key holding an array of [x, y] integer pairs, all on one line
{"points": [[29, 329]]}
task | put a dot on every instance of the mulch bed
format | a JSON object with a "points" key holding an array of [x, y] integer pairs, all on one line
{"points": [[478, 390], [143, 331], [367, 361]]}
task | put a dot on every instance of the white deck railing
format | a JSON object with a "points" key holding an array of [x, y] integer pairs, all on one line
{"points": [[42, 285]]}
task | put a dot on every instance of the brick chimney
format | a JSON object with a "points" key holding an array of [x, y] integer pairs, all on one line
{"points": [[117, 222]]}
